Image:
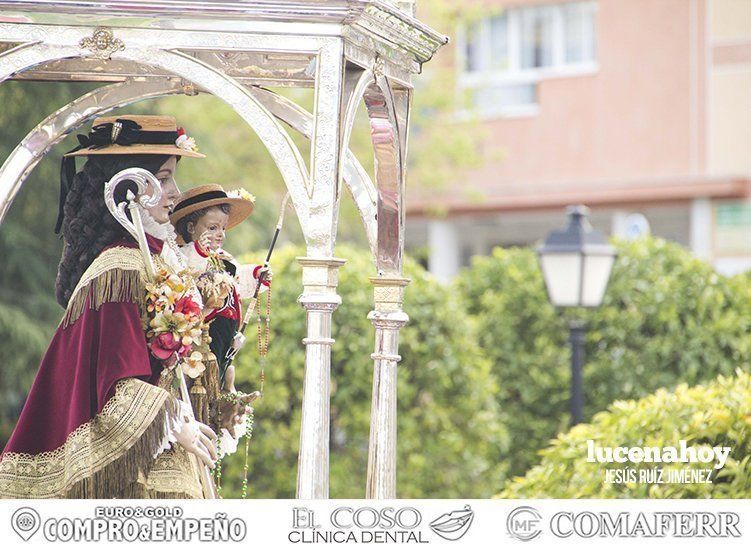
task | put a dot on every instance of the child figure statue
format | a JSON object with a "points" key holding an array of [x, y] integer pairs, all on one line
{"points": [[201, 218]]}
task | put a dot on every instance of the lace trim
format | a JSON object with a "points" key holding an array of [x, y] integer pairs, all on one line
{"points": [[99, 457]]}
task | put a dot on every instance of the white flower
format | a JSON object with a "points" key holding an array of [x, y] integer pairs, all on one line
{"points": [[241, 193], [185, 142], [193, 366]]}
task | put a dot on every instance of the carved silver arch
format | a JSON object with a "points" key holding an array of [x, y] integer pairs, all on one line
{"points": [[27, 154], [277, 141], [388, 131], [388, 111], [24, 158], [355, 178], [356, 79]]}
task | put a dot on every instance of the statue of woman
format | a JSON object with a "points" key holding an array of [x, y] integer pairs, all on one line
{"points": [[98, 421]]}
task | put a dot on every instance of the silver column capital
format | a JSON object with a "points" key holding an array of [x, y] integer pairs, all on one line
{"points": [[320, 275], [391, 320], [388, 293]]}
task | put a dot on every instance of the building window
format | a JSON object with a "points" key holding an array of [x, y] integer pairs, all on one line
{"points": [[579, 33], [504, 56], [499, 43], [536, 37]]}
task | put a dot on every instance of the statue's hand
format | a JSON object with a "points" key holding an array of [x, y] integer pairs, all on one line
{"points": [[264, 274], [234, 405], [204, 241], [233, 410], [198, 439]]}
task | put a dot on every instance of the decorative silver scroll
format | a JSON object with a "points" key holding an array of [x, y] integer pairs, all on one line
{"points": [[143, 180]]}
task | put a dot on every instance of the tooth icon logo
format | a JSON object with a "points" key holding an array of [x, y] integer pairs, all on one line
{"points": [[454, 525]]}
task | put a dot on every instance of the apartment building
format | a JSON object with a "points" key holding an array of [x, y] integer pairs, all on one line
{"points": [[640, 109]]}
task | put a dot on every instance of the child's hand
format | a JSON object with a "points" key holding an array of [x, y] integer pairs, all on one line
{"points": [[238, 341], [205, 241], [265, 273]]}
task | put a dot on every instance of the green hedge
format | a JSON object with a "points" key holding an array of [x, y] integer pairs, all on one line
{"points": [[450, 438], [717, 414], [667, 318]]}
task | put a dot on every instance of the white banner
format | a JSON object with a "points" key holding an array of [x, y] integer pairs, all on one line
{"points": [[466, 521]]}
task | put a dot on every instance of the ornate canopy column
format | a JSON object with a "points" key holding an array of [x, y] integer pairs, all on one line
{"points": [[387, 318], [388, 111], [319, 298]]}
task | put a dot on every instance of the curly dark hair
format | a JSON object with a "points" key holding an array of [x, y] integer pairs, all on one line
{"points": [[88, 227], [182, 224]]}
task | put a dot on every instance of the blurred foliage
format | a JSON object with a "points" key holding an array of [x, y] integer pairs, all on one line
{"points": [[448, 414], [29, 248], [667, 317], [716, 414]]}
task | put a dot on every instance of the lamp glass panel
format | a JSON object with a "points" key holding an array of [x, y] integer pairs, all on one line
{"points": [[562, 273], [596, 275]]}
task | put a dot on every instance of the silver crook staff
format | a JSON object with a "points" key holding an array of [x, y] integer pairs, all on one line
{"points": [[143, 179]]}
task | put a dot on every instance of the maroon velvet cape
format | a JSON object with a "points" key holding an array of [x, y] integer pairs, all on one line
{"points": [[79, 370]]}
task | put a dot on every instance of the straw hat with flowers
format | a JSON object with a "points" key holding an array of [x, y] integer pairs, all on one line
{"points": [[125, 135], [241, 203]]}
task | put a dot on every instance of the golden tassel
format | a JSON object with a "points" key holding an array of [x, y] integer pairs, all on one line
{"points": [[205, 390], [211, 377], [199, 401], [212, 386]]}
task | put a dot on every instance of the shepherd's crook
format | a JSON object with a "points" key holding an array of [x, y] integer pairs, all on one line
{"points": [[143, 178]]}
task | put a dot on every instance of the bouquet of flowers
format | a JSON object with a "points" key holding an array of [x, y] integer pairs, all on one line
{"points": [[173, 321]]}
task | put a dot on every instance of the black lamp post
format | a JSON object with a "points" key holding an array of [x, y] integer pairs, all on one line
{"points": [[576, 262]]}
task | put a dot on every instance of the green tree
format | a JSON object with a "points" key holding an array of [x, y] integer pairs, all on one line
{"points": [[667, 317], [716, 414], [450, 440]]}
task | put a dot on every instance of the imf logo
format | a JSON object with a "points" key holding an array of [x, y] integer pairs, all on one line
{"points": [[523, 523]]}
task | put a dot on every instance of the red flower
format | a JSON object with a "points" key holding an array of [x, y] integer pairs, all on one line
{"points": [[184, 350], [164, 345], [187, 306], [180, 131]]}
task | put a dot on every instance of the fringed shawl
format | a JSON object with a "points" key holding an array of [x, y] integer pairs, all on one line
{"points": [[118, 274]]}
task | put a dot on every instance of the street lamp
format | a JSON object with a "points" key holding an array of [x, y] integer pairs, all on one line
{"points": [[576, 262]]}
